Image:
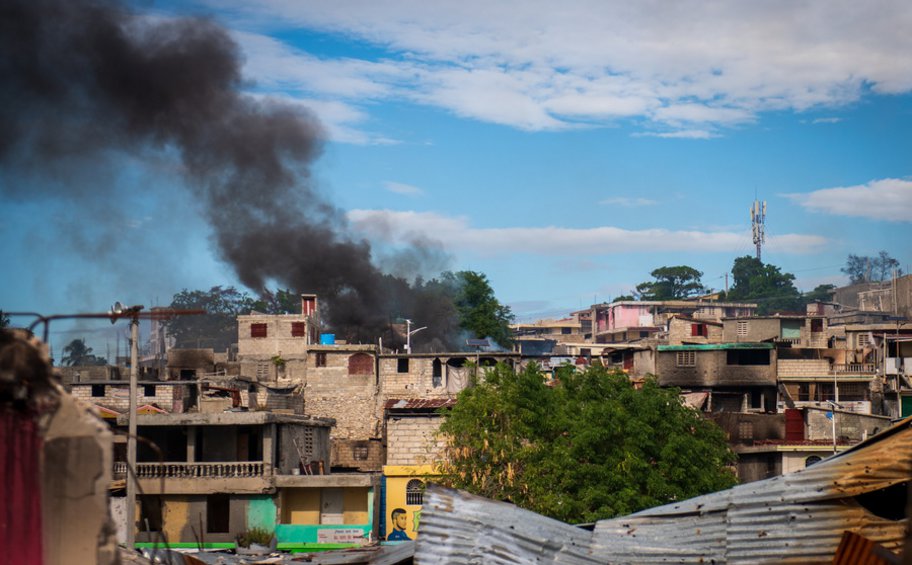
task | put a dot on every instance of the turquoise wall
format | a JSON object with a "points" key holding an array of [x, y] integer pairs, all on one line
{"points": [[261, 513], [301, 533]]}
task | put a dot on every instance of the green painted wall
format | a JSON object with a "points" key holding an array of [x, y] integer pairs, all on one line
{"points": [[321, 533], [261, 513]]}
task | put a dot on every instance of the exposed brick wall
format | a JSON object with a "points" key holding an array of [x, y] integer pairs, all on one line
{"points": [[364, 455], [412, 440], [803, 367], [679, 331], [117, 396]]}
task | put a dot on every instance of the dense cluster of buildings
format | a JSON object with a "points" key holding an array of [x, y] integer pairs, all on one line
{"points": [[329, 444]]}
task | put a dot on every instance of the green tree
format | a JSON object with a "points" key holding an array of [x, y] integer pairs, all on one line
{"points": [[217, 329], [591, 446], [822, 293], [672, 283], [862, 269], [765, 284], [480, 313], [278, 301], [624, 298], [77, 353]]}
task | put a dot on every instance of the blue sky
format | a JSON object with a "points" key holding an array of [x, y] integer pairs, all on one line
{"points": [[566, 150]]}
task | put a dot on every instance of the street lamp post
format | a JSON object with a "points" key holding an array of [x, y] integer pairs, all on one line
{"points": [[408, 335]]}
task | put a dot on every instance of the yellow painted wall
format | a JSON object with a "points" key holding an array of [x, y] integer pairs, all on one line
{"points": [[397, 478], [354, 506], [301, 506], [175, 516]]}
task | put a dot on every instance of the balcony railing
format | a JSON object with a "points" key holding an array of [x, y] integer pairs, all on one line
{"points": [[228, 470], [854, 369], [120, 470]]}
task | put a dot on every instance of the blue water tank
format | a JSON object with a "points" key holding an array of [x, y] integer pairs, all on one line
{"points": [[327, 339]]}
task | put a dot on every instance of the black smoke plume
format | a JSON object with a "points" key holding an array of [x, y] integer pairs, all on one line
{"points": [[82, 80]]}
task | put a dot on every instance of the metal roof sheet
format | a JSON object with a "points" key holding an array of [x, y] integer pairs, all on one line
{"points": [[794, 518]]}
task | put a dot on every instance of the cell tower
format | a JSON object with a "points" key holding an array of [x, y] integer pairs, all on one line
{"points": [[758, 224]]}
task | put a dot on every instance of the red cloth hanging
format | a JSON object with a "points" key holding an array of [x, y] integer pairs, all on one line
{"points": [[20, 489]]}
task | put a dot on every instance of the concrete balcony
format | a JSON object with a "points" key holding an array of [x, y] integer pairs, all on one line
{"points": [[854, 369], [226, 470]]}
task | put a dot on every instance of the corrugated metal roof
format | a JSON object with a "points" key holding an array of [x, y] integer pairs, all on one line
{"points": [[795, 518], [715, 346], [419, 403]]}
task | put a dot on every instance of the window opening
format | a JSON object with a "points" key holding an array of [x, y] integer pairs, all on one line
{"points": [[148, 390], [217, 513], [402, 365], [98, 390], [686, 359], [414, 492], [258, 330], [320, 360], [298, 329]]}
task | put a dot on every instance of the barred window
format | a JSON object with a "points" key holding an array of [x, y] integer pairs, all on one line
{"points": [[686, 359], [414, 492], [742, 329]]}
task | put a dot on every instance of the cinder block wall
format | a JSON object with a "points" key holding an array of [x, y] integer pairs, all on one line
{"points": [[413, 440]]}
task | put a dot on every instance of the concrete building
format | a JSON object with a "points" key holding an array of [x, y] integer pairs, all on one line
{"points": [[633, 320], [738, 377], [214, 476]]}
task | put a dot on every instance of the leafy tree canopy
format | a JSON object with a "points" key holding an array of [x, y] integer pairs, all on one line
{"points": [[862, 269], [822, 293], [590, 447], [672, 283], [217, 329], [624, 298], [77, 353], [765, 284], [278, 302], [480, 313]]}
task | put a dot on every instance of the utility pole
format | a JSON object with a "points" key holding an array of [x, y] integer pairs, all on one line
{"points": [[117, 311]]}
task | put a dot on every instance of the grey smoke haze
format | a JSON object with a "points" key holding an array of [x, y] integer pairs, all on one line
{"points": [[86, 83]]}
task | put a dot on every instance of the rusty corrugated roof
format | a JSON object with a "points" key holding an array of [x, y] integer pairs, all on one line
{"points": [[419, 403], [794, 518]]}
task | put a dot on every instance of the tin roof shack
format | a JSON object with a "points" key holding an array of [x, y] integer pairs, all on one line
{"points": [[794, 331], [795, 518], [740, 377]]}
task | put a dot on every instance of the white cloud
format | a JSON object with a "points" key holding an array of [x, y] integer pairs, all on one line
{"points": [[402, 188], [628, 202], [681, 134], [537, 65], [395, 227], [832, 120], [884, 199]]}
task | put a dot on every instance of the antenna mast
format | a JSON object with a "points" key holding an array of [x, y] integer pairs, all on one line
{"points": [[758, 224]]}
